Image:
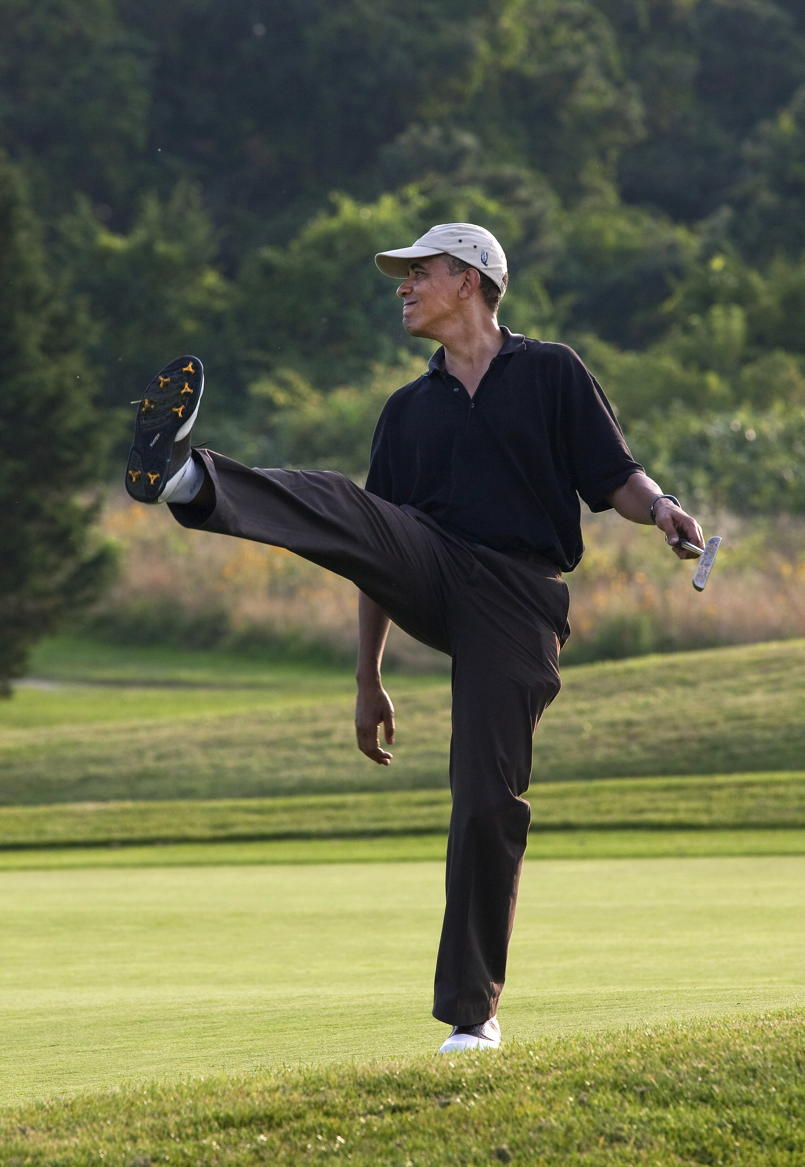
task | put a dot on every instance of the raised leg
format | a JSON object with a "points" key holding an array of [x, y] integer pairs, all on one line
{"points": [[392, 553]]}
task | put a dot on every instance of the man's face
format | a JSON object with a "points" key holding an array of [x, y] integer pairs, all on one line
{"points": [[430, 296]]}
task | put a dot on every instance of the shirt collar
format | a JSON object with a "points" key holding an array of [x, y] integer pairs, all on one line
{"points": [[512, 341]]}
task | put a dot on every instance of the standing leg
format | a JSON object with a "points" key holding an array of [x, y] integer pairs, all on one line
{"points": [[501, 686]]}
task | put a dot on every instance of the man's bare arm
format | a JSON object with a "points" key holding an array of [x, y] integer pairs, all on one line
{"points": [[373, 706], [633, 500]]}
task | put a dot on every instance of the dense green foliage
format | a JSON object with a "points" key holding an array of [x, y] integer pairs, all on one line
{"points": [[216, 178]]}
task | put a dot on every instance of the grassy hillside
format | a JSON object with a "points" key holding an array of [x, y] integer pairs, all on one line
{"points": [[202, 730]]}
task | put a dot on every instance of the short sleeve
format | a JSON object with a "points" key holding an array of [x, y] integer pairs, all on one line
{"points": [[599, 457], [379, 479]]}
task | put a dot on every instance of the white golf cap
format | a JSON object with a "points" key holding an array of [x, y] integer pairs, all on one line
{"points": [[475, 245]]}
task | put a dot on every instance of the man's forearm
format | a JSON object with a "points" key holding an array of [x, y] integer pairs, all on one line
{"points": [[373, 630], [633, 500]]}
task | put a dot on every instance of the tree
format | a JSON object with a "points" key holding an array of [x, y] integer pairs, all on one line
{"points": [[620, 266], [152, 292], [707, 71], [768, 196], [74, 99], [49, 445], [294, 424], [318, 304], [555, 94], [270, 104]]}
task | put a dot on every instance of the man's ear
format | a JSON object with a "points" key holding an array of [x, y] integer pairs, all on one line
{"points": [[470, 283]]}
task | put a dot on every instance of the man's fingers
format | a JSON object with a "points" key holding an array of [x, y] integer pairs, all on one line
{"points": [[692, 535], [382, 757], [373, 709], [369, 744], [675, 543], [678, 526], [377, 753], [683, 553]]}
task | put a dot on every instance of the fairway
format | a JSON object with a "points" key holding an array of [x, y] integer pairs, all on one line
{"points": [[178, 971]]}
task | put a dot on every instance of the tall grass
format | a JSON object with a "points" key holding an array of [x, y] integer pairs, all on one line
{"points": [[196, 590], [630, 595]]}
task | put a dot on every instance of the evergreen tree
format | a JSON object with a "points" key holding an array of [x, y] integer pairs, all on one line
{"points": [[49, 443], [149, 290]]}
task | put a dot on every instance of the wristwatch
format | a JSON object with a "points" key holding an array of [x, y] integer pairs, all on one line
{"points": [[670, 497]]}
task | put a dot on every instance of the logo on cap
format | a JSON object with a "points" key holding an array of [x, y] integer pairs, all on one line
{"points": [[485, 258]]}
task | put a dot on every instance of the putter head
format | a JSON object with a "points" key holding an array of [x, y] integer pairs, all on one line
{"points": [[705, 564]]}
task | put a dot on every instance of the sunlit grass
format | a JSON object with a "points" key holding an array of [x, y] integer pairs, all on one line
{"points": [[732, 802], [726, 1091], [130, 974], [731, 710]]}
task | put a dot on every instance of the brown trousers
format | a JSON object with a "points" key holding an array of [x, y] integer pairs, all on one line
{"points": [[502, 619]]}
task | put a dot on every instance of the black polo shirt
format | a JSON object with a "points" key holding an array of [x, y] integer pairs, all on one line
{"points": [[506, 467]]}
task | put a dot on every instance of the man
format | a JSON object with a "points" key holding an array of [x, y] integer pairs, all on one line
{"points": [[469, 518]]}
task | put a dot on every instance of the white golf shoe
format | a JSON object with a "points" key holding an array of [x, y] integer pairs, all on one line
{"points": [[485, 1036]]}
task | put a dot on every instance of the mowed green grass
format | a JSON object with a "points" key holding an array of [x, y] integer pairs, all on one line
{"points": [[219, 921], [247, 732], [164, 972], [729, 1092], [731, 802]]}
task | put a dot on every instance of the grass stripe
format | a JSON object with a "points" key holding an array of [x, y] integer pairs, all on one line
{"points": [[735, 801], [558, 844]]}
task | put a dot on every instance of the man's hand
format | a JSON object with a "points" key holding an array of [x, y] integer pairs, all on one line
{"points": [[634, 499], [677, 525], [373, 708]]}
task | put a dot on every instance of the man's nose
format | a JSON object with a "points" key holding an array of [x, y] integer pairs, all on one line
{"points": [[405, 287]]}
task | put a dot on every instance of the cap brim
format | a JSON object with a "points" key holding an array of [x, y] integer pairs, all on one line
{"points": [[396, 263]]}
